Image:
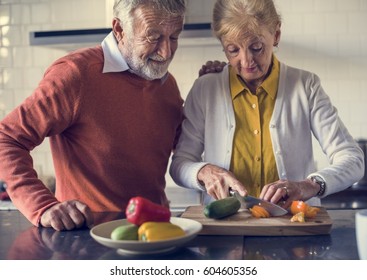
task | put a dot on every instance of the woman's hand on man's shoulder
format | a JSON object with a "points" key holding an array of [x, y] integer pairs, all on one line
{"points": [[215, 66]]}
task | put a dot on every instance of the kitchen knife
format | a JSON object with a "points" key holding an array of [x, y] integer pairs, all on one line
{"points": [[249, 201]]}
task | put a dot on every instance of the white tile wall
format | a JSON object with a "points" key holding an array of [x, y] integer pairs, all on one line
{"points": [[326, 37]]}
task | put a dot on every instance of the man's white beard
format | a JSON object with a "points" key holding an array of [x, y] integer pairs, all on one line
{"points": [[148, 69]]}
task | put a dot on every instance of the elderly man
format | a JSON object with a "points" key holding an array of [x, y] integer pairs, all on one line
{"points": [[111, 113]]}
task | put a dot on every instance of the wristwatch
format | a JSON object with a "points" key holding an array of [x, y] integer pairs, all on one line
{"points": [[318, 180]]}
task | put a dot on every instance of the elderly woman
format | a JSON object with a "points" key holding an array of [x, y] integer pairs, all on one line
{"points": [[250, 127]]}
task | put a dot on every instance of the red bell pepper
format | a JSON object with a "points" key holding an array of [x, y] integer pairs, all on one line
{"points": [[140, 210]]}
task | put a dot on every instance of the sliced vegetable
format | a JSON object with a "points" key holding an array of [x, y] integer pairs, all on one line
{"points": [[125, 232], [301, 206], [298, 217], [155, 231], [222, 208], [312, 212], [259, 212], [140, 210], [298, 206]]}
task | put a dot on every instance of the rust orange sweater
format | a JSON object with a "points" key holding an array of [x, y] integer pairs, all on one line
{"points": [[111, 136]]}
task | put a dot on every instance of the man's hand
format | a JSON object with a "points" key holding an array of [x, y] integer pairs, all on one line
{"points": [[212, 67], [218, 181], [67, 215]]}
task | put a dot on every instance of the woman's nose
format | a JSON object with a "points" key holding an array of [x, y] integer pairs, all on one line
{"points": [[246, 58]]}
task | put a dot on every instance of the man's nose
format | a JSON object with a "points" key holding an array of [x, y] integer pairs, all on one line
{"points": [[165, 49]]}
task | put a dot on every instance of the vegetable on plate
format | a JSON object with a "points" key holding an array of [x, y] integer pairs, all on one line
{"points": [[140, 210], [156, 231], [125, 232]]}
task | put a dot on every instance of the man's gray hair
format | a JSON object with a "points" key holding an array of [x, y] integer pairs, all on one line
{"points": [[123, 9]]}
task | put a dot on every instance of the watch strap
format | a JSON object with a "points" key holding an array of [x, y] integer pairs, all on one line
{"points": [[318, 180]]}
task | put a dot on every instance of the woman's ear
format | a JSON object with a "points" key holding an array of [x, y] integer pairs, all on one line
{"points": [[117, 29], [277, 35]]}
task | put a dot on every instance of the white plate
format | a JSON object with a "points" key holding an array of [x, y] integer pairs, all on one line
{"points": [[102, 234]]}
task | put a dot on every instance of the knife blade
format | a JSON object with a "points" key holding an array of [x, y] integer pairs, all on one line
{"points": [[249, 201]]}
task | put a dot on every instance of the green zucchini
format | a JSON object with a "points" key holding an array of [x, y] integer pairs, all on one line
{"points": [[222, 208], [125, 232]]}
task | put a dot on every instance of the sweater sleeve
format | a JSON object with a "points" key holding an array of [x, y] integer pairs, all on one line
{"points": [[48, 111]]}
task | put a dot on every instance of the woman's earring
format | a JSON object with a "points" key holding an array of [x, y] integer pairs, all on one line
{"points": [[276, 46]]}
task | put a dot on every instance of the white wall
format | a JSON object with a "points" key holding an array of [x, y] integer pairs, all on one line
{"points": [[326, 37]]}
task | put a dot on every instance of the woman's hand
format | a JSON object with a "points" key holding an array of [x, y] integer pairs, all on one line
{"points": [[218, 181], [286, 191], [67, 215], [212, 67]]}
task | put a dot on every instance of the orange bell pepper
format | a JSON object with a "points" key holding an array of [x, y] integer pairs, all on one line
{"points": [[301, 206], [259, 212]]}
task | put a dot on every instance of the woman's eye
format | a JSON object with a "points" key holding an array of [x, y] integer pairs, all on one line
{"points": [[232, 51], [257, 47]]}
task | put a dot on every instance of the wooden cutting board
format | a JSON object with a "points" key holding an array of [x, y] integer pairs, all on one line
{"points": [[243, 223]]}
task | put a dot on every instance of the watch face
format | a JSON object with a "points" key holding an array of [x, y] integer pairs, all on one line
{"points": [[318, 179]]}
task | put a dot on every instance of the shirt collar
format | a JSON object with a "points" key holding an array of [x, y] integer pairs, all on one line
{"points": [[270, 85], [113, 60]]}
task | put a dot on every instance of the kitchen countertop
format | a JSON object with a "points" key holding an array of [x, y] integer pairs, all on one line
{"points": [[354, 197], [20, 240]]}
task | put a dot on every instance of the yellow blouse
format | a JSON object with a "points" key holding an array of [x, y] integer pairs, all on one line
{"points": [[253, 162]]}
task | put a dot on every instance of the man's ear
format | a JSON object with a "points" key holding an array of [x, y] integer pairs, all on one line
{"points": [[117, 29]]}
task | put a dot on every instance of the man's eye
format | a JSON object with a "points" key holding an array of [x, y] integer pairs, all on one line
{"points": [[152, 39]]}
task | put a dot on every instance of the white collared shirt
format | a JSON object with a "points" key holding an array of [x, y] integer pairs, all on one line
{"points": [[113, 59]]}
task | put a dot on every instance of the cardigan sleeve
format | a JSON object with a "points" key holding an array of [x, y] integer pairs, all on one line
{"points": [[304, 110], [346, 160], [187, 158], [207, 131]]}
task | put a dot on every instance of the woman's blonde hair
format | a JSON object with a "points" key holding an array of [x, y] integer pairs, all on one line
{"points": [[237, 19]]}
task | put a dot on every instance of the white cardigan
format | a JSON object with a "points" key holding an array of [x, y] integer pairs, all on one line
{"points": [[302, 108]]}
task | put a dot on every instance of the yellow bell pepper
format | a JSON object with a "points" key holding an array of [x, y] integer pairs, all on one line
{"points": [[155, 231]]}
